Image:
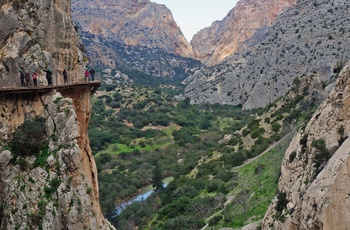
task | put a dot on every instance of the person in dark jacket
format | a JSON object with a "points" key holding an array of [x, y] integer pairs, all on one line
{"points": [[65, 76], [22, 78], [92, 73], [48, 76], [27, 77]]}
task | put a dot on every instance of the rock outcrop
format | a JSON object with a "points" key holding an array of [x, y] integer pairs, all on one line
{"points": [[35, 36], [311, 36], [55, 188], [213, 44], [138, 22], [315, 169]]}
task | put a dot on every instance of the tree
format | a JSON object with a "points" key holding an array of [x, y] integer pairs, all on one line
{"points": [[157, 177]]}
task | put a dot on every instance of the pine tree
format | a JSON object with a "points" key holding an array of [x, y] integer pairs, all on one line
{"points": [[157, 177]]}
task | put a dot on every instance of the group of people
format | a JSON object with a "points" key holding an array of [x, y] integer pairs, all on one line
{"points": [[25, 77], [89, 73]]}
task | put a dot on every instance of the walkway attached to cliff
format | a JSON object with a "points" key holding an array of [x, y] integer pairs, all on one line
{"points": [[43, 89]]}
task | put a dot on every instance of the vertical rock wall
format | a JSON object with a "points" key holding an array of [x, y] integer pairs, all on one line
{"points": [[29, 195], [36, 35], [56, 188], [316, 169]]}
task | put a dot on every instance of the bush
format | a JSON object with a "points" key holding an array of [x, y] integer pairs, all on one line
{"points": [[29, 137], [281, 202], [322, 153], [275, 126]]}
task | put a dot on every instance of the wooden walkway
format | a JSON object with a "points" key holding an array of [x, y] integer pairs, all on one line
{"points": [[43, 89]]}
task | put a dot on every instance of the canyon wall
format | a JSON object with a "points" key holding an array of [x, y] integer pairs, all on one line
{"points": [[315, 169], [213, 44], [55, 187], [309, 37]]}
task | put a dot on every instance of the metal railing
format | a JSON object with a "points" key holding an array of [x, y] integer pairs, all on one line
{"points": [[57, 80]]}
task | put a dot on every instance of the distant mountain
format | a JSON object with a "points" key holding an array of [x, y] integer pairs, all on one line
{"points": [[154, 61], [134, 34], [249, 17], [312, 36]]}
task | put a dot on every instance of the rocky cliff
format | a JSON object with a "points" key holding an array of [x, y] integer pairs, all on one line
{"points": [[213, 44], [134, 35], [35, 36], [54, 185], [311, 36], [137, 22], [315, 169]]}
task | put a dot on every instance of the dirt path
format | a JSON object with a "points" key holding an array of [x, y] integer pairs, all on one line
{"points": [[235, 169]]}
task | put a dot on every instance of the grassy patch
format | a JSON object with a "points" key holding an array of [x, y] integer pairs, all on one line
{"points": [[261, 184]]}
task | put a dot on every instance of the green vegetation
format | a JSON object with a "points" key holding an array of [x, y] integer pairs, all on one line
{"points": [[29, 138], [258, 179], [133, 129]]}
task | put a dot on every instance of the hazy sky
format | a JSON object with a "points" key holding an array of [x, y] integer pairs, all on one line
{"points": [[194, 15]]}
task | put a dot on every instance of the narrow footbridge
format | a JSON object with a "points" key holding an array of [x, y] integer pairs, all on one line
{"points": [[75, 85], [44, 89]]}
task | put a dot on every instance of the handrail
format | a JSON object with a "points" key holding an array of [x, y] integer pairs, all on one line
{"points": [[73, 81]]}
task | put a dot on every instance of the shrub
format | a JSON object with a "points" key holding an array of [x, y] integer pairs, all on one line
{"points": [[281, 202], [322, 153], [29, 137], [275, 126]]}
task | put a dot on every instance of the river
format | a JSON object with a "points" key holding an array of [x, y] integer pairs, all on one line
{"points": [[145, 193]]}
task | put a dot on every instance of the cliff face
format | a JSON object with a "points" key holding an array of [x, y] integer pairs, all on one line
{"points": [[315, 169], [35, 36], [308, 37], [56, 188], [213, 44], [27, 198], [137, 22]]}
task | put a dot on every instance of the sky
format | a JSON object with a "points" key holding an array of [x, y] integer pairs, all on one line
{"points": [[193, 15]]}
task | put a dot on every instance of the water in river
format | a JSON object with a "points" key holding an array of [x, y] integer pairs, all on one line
{"points": [[145, 193]]}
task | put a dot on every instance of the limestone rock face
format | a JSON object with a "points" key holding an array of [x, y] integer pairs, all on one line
{"points": [[315, 177], [58, 188], [311, 36], [213, 44], [25, 185], [36, 35], [137, 22]]}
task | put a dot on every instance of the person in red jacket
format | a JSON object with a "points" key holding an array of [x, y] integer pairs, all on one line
{"points": [[87, 75]]}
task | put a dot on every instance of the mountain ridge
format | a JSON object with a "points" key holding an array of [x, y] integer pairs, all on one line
{"points": [[265, 71], [213, 44]]}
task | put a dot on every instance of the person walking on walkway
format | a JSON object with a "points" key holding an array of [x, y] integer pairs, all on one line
{"points": [[87, 75], [22, 78], [92, 73], [48, 76], [35, 79], [27, 76], [65, 76]]}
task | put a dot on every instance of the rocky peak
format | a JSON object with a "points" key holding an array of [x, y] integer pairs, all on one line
{"points": [[137, 22], [308, 37], [213, 44]]}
